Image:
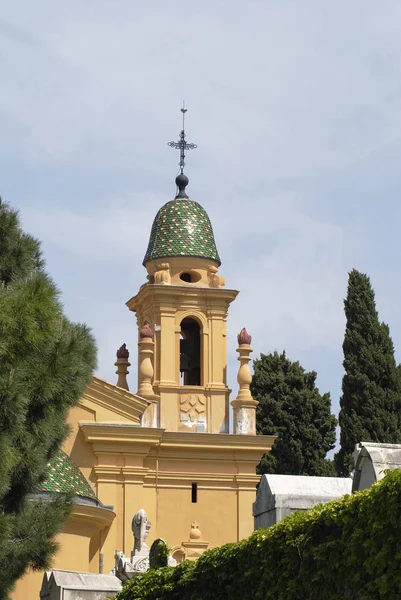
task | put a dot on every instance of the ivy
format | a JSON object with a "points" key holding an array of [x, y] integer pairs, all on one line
{"points": [[158, 555], [349, 549]]}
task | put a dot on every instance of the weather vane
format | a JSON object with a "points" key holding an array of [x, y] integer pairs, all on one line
{"points": [[182, 145]]}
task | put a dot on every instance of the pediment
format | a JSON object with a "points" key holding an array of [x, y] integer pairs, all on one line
{"points": [[111, 403]]}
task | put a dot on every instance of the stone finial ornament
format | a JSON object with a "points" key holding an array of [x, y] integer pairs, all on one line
{"points": [[195, 532], [123, 352], [195, 547], [145, 375], [181, 181], [146, 332], [122, 363], [244, 337], [244, 405], [162, 275], [215, 280]]}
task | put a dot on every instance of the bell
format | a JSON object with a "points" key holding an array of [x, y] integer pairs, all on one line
{"points": [[185, 362], [185, 365]]}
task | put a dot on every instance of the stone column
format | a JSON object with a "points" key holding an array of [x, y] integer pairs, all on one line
{"points": [[244, 405], [122, 365], [145, 375]]}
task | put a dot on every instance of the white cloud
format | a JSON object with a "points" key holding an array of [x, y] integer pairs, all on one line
{"points": [[292, 86], [117, 232], [287, 101]]}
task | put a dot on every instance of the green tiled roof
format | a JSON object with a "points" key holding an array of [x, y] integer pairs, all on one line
{"points": [[182, 228], [62, 475]]}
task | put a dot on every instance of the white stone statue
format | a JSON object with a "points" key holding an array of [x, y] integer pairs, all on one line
{"points": [[140, 528], [139, 562], [126, 568]]}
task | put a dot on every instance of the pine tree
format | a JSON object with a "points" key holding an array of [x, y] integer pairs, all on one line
{"points": [[291, 407], [370, 402], [45, 365]]}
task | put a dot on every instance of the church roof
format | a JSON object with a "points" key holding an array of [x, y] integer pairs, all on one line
{"points": [[63, 476], [182, 228]]}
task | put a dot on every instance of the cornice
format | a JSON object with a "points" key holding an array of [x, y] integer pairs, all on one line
{"points": [[187, 477], [129, 436], [156, 443], [196, 544], [175, 479], [95, 515], [181, 296], [121, 433], [119, 401], [119, 474], [218, 441], [210, 481]]}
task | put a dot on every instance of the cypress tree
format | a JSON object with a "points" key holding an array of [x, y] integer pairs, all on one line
{"points": [[45, 364], [370, 406], [291, 407]]}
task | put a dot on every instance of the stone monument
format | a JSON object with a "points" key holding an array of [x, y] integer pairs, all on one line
{"points": [[159, 555], [126, 567], [71, 585], [372, 460], [281, 495]]}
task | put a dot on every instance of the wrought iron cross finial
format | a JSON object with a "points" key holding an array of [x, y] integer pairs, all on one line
{"points": [[182, 144]]}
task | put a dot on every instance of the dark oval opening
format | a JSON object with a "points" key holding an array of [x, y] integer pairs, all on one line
{"points": [[191, 276]]}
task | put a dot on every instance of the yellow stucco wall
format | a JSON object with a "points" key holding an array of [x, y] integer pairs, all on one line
{"points": [[79, 546], [154, 469]]}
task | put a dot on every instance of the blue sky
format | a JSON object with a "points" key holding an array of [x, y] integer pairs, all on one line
{"points": [[296, 110]]}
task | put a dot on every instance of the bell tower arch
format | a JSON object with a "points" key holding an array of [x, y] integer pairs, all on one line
{"points": [[190, 352]]}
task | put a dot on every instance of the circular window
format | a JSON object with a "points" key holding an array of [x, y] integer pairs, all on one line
{"points": [[190, 277]]}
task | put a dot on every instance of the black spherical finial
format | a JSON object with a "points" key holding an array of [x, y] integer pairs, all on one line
{"points": [[181, 182]]}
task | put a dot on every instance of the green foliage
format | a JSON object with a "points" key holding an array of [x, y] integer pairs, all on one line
{"points": [[158, 583], [45, 364], [347, 549], [291, 407], [158, 555], [370, 402], [28, 537]]}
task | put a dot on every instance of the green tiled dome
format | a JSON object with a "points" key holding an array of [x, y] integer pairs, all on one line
{"points": [[62, 475], [182, 228]]}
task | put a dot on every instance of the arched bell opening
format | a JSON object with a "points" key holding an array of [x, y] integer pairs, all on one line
{"points": [[190, 352]]}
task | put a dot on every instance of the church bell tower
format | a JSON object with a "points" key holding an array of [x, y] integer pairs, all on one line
{"points": [[181, 316]]}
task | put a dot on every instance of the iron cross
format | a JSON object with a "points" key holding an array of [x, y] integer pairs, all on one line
{"points": [[182, 145]]}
